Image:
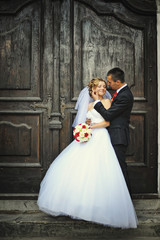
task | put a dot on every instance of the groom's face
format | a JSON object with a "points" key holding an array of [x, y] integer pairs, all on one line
{"points": [[112, 83]]}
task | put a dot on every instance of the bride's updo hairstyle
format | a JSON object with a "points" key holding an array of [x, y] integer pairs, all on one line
{"points": [[94, 83]]}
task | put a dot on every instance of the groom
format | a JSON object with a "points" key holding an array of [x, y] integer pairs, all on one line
{"points": [[118, 115]]}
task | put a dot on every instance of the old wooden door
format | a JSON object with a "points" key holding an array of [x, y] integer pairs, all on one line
{"points": [[49, 50], [26, 90]]}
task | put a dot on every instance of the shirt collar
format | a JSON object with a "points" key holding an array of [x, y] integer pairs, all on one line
{"points": [[121, 87]]}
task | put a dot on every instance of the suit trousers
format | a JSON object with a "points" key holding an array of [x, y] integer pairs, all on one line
{"points": [[120, 151]]}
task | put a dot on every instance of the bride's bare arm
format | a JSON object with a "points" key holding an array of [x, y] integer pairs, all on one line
{"points": [[100, 125]]}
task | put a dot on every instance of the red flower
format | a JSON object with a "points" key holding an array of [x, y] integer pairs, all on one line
{"points": [[77, 134], [86, 134], [83, 126]]}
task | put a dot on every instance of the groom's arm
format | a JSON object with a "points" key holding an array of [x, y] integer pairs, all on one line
{"points": [[121, 104]]}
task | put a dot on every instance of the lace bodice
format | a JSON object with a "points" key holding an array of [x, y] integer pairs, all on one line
{"points": [[94, 116]]}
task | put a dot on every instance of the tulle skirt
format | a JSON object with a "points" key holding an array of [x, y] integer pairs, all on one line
{"points": [[86, 182]]}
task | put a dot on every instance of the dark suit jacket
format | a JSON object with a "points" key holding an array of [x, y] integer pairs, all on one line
{"points": [[119, 116]]}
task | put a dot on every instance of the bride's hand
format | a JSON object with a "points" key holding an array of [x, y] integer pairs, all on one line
{"points": [[88, 121]]}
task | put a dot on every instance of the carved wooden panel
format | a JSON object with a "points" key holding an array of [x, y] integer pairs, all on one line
{"points": [[20, 139], [15, 56], [20, 36], [103, 42], [15, 139], [136, 149]]}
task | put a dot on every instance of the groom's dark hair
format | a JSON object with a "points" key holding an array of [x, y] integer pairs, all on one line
{"points": [[117, 74]]}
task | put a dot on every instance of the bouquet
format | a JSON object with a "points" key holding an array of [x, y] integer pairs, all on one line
{"points": [[82, 133]]}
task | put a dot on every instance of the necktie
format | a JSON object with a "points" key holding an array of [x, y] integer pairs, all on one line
{"points": [[115, 94]]}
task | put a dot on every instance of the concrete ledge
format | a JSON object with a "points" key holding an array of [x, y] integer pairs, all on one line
{"points": [[31, 205], [18, 205]]}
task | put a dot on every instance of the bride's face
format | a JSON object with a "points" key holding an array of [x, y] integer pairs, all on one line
{"points": [[100, 89]]}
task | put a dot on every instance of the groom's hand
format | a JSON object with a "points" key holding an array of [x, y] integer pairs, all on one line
{"points": [[95, 95]]}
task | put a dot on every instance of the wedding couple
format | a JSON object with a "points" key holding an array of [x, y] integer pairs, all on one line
{"points": [[87, 180]]}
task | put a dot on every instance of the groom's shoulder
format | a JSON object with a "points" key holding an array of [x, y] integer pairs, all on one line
{"points": [[126, 92], [129, 92]]}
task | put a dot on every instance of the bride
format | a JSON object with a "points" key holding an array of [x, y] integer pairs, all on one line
{"points": [[85, 181]]}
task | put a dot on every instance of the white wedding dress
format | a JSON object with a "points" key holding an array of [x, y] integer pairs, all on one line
{"points": [[86, 182]]}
